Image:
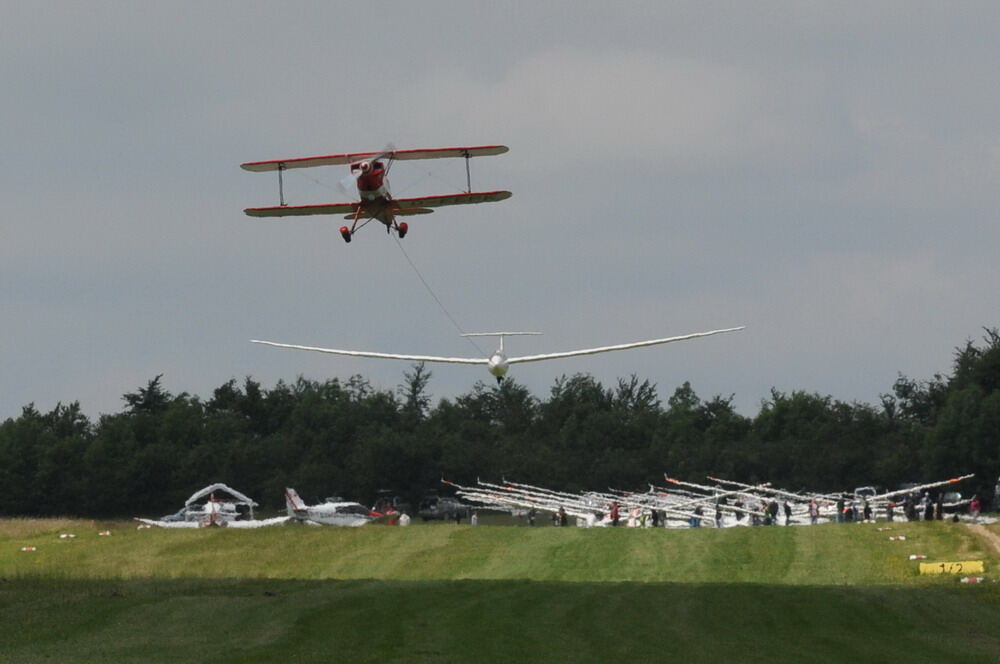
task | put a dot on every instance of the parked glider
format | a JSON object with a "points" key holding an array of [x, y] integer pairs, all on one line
{"points": [[498, 363], [368, 180]]}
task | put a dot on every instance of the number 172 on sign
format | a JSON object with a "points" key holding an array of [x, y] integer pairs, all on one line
{"points": [[960, 567]]}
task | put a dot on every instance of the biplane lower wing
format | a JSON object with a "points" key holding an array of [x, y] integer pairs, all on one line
{"points": [[302, 210], [351, 157], [450, 199], [400, 206]]}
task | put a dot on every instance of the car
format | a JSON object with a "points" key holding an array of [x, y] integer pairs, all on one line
{"points": [[387, 499], [442, 507], [865, 492], [909, 486], [951, 502]]}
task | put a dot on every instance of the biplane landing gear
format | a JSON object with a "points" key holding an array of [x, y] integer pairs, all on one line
{"points": [[345, 233], [401, 228]]}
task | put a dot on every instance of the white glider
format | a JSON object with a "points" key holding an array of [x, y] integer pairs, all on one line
{"points": [[498, 363]]}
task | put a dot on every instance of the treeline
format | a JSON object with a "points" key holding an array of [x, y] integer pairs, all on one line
{"points": [[345, 437]]}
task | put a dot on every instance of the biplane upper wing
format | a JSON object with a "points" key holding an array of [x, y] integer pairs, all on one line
{"points": [[451, 199], [443, 153], [302, 210], [351, 157]]}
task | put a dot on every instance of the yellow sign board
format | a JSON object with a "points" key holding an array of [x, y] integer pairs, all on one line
{"points": [[962, 567]]}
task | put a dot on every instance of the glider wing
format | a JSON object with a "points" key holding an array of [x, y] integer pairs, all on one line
{"points": [[384, 356], [608, 349]]}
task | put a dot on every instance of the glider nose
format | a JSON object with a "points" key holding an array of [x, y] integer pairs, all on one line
{"points": [[498, 365]]}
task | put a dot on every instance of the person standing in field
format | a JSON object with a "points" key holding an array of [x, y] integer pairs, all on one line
{"points": [[788, 512], [695, 521], [813, 512], [772, 512], [633, 517], [474, 519], [975, 506]]}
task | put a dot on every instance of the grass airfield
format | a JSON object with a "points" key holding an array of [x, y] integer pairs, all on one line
{"points": [[831, 593]]}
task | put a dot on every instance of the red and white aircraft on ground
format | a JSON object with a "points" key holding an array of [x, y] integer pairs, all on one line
{"points": [[368, 175]]}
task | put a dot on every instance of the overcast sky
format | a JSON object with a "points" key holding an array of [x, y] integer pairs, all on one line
{"points": [[824, 173]]}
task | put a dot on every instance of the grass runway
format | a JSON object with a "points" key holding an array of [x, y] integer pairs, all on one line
{"points": [[833, 593]]}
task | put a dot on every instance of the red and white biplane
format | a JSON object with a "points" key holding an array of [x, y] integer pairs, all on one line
{"points": [[368, 176]]}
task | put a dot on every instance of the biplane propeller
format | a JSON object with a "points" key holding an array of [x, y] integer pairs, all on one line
{"points": [[498, 362], [367, 178]]}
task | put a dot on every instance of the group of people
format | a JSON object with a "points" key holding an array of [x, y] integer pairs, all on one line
{"points": [[771, 512], [854, 511], [559, 517]]}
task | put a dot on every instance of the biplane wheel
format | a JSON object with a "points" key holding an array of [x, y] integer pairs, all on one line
{"points": [[402, 228], [345, 233]]}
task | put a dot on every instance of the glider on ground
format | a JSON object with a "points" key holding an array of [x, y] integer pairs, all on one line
{"points": [[368, 181], [498, 363]]}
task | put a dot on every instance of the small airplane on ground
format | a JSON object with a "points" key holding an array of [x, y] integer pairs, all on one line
{"points": [[498, 363], [368, 180], [332, 512]]}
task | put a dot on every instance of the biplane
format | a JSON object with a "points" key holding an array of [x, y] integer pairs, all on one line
{"points": [[368, 180], [498, 363]]}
